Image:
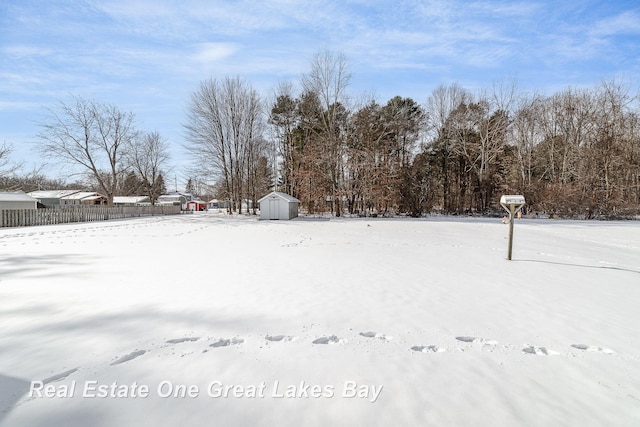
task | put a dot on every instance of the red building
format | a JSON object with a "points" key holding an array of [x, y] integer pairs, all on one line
{"points": [[196, 205]]}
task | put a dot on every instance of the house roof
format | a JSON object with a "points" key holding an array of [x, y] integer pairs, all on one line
{"points": [[94, 197], [16, 196], [83, 195], [130, 199], [171, 197], [52, 194], [283, 196]]}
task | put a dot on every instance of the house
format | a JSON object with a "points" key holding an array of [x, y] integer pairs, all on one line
{"points": [[175, 198], [52, 198], [17, 200], [196, 205], [84, 198], [131, 201], [216, 204], [276, 205]]}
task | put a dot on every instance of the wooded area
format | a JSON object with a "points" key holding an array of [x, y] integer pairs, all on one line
{"points": [[574, 154]]}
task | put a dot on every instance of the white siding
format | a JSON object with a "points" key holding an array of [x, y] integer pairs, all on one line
{"points": [[11, 205], [278, 206], [17, 200]]}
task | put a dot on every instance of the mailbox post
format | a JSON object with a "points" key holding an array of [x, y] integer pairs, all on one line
{"points": [[512, 204]]}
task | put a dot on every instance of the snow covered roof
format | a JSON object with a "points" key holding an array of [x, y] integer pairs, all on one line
{"points": [[284, 196], [52, 194], [16, 196], [83, 195], [175, 197], [130, 199]]}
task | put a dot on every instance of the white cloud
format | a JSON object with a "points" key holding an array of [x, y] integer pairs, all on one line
{"points": [[17, 105], [213, 52], [25, 51], [625, 23]]}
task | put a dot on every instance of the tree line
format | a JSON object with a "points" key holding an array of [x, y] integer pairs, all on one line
{"points": [[574, 153]]}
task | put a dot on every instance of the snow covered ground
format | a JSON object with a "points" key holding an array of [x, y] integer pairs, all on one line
{"points": [[206, 319]]}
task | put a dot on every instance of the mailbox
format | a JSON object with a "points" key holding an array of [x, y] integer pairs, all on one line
{"points": [[512, 204], [515, 201]]}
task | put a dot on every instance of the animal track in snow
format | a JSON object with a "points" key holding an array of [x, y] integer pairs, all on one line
{"points": [[539, 350], [328, 340], [129, 357], [298, 243], [275, 338], [375, 335], [428, 349], [585, 347], [59, 377], [223, 342], [181, 340], [474, 339]]}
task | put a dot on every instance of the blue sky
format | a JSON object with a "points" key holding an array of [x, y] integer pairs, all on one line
{"points": [[148, 56]]}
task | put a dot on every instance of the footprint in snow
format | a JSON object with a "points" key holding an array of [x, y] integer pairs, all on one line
{"points": [[428, 349], [276, 338], [585, 347], [222, 342], [181, 340], [129, 357], [376, 335], [539, 350], [474, 339], [328, 340], [59, 377]]}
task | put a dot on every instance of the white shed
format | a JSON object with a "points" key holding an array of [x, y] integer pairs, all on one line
{"points": [[17, 200], [276, 205]]}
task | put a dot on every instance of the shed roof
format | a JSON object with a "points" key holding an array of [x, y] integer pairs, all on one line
{"points": [[283, 196], [16, 196]]}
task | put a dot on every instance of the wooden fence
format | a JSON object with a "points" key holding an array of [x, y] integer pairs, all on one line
{"points": [[64, 215]]}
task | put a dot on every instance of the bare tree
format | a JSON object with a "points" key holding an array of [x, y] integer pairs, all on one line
{"points": [[223, 122], [606, 164], [6, 166], [90, 135], [366, 153], [147, 157], [441, 103], [259, 174], [525, 135], [29, 181]]}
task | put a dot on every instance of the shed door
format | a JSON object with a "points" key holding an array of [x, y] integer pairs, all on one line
{"points": [[273, 209]]}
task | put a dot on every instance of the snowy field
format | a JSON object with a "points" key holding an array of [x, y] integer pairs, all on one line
{"points": [[210, 320]]}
